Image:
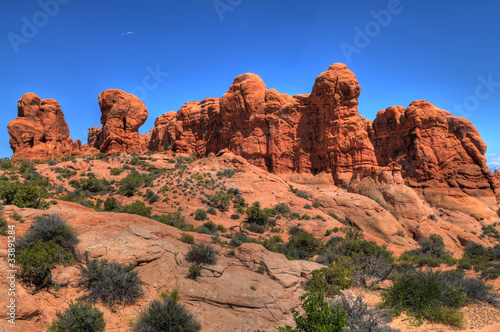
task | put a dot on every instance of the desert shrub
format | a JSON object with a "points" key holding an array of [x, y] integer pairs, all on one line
{"points": [[5, 163], [195, 271], [308, 206], [207, 228], [94, 185], [330, 280], [294, 215], [79, 317], [166, 315], [229, 172], [220, 200], [302, 245], [4, 227], [200, 215], [370, 262], [38, 259], [485, 260], [129, 184], [299, 193], [202, 254], [282, 208], [22, 195], [115, 171], [186, 238], [235, 216], [255, 215], [175, 219], [111, 283], [352, 233], [212, 211], [435, 296], [110, 204], [238, 239], [48, 228], [138, 207], [318, 316], [432, 252], [294, 230], [360, 318]]}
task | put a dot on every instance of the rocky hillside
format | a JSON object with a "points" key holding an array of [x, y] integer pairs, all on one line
{"points": [[277, 185]]}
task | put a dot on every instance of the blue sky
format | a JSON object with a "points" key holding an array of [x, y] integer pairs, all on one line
{"points": [[172, 52]]}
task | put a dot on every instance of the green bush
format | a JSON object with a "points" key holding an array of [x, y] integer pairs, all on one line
{"points": [[220, 200], [111, 283], [4, 227], [432, 252], [318, 316], [166, 315], [138, 207], [235, 216], [202, 254], [175, 219], [129, 184], [302, 245], [94, 185], [48, 228], [330, 280], [110, 204], [195, 271], [79, 317], [186, 238], [255, 215], [115, 171], [282, 208], [38, 259], [370, 262], [200, 215], [430, 295], [22, 195]]}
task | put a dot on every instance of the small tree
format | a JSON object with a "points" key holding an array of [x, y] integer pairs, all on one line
{"points": [[257, 216]]}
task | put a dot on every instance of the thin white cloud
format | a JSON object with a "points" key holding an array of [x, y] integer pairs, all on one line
{"points": [[491, 154], [494, 163], [128, 33]]}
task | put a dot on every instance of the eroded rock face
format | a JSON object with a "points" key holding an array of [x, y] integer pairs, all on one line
{"points": [[323, 132], [281, 133], [122, 116], [40, 130]]}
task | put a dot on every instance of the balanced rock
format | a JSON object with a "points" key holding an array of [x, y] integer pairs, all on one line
{"points": [[122, 116], [40, 130]]}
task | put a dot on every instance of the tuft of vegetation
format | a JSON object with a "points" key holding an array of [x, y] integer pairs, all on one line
{"points": [[186, 238], [175, 219], [166, 315], [200, 215], [23, 195], [37, 261], [330, 280], [79, 317], [4, 227], [111, 283], [435, 296], [318, 316], [432, 252], [202, 254], [139, 208], [48, 228]]}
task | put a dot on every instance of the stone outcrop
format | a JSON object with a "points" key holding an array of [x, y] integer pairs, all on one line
{"points": [[323, 132], [281, 133], [40, 130], [122, 116]]}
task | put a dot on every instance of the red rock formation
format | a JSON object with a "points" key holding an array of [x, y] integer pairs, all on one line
{"points": [[40, 131], [497, 174], [122, 115], [323, 131], [432, 147], [281, 133]]}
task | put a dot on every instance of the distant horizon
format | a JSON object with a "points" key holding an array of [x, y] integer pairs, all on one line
{"points": [[169, 53]]}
